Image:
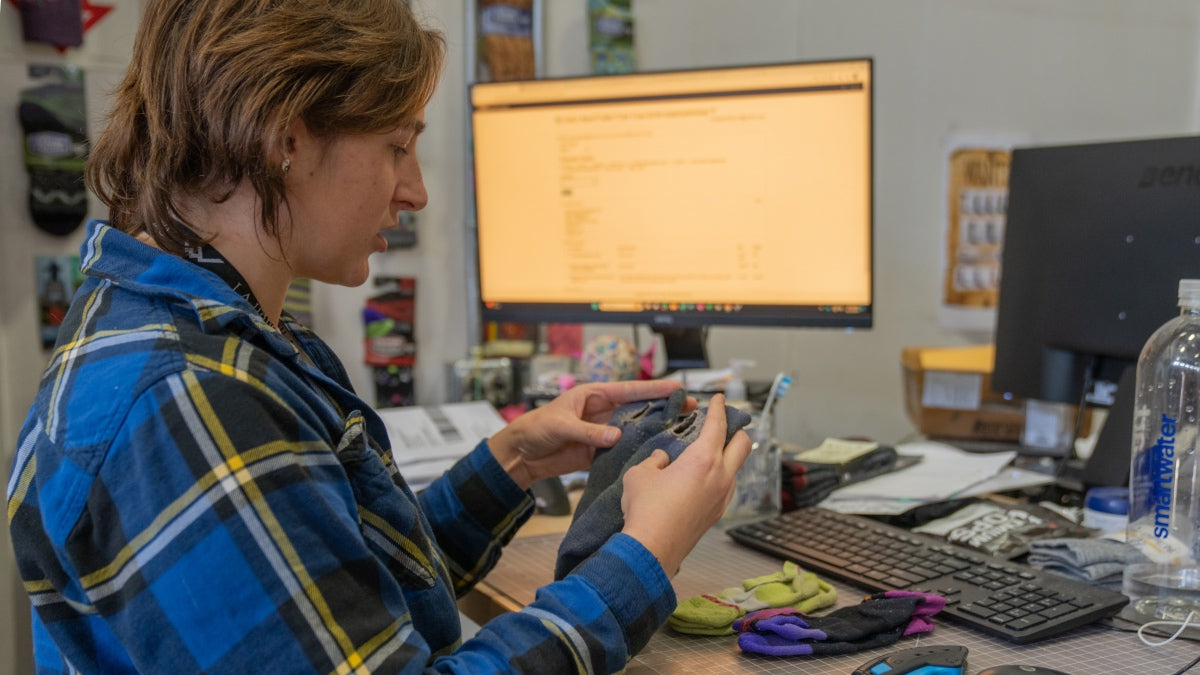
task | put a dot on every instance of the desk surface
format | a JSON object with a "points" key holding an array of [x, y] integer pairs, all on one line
{"points": [[718, 562]]}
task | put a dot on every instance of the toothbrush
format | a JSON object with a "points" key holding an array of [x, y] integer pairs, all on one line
{"points": [[778, 389]]}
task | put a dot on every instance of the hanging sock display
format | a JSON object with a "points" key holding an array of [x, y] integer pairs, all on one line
{"points": [[53, 120], [56, 22], [610, 36], [506, 39], [389, 328]]}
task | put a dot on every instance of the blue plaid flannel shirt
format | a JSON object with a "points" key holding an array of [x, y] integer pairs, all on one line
{"points": [[189, 494]]}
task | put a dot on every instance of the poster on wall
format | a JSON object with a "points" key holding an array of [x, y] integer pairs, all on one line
{"points": [[57, 279], [976, 204]]}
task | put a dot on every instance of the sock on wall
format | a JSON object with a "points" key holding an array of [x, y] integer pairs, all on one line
{"points": [[53, 120]]}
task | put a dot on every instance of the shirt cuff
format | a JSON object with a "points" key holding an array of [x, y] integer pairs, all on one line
{"points": [[633, 585]]}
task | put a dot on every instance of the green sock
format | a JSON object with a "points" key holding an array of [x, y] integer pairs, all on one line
{"points": [[817, 593], [705, 615], [714, 614], [789, 572]]}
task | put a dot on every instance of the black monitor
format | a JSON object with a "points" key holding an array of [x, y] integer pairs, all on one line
{"points": [[1096, 239], [677, 199]]}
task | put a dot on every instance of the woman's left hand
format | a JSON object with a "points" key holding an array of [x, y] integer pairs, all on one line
{"points": [[562, 435]]}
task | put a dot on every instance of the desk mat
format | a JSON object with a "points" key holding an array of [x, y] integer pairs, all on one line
{"points": [[718, 562]]}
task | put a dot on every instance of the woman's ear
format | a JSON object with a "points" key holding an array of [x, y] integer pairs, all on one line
{"points": [[298, 138], [298, 144], [282, 136]]}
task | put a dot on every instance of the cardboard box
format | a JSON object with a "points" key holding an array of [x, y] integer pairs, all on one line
{"points": [[947, 394]]}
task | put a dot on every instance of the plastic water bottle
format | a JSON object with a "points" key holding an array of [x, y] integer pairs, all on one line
{"points": [[1164, 480]]}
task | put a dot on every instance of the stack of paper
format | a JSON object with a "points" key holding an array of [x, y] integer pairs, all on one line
{"points": [[945, 472], [427, 440]]}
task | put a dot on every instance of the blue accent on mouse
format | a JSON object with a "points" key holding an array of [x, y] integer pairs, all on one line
{"points": [[932, 660]]}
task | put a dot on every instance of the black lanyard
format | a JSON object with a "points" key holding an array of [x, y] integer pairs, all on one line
{"points": [[211, 259]]}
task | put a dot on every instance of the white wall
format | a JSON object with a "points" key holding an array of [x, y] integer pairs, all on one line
{"points": [[1066, 71], [1070, 70]]}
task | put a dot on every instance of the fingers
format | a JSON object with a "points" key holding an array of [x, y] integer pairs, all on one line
{"points": [[738, 450], [712, 434], [591, 434], [626, 391], [690, 404], [602, 436], [659, 459]]}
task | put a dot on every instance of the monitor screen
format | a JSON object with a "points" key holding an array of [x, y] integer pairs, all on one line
{"points": [[729, 196], [1096, 239]]}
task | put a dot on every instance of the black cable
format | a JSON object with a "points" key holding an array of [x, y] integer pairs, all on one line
{"points": [[1187, 667], [1085, 387]]}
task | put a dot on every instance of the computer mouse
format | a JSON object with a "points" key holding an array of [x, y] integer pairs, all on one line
{"points": [[550, 497], [1019, 670], [929, 660]]}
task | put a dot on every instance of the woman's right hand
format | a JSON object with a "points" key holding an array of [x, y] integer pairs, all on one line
{"points": [[669, 505]]}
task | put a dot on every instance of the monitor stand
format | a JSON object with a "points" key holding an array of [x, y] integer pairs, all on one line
{"points": [[1108, 464], [684, 347]]}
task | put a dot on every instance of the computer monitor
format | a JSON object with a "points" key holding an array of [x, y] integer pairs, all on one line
{"points": [[677, 199], [1096, 239]]}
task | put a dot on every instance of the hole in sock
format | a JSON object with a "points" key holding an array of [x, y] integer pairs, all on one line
{"points": [[685, 424], [635, 415]]}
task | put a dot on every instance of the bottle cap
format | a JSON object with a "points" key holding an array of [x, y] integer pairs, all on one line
{"points": [[1108, 500], [1189, 292]]}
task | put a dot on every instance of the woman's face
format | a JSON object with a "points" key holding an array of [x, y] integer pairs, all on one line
{"points": [[343, 193]]}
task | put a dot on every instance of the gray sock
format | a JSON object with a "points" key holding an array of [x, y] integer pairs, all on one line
{"points": [[602, 518], [638, 421], [1095, 561]]}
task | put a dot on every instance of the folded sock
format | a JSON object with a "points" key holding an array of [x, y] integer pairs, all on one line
{"points": [[1100, 562], [714, 614], [878, 621], [602, 517], [805, 484]]}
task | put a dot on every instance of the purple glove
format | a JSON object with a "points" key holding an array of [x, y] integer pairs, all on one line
{"points": [[878, 621]]}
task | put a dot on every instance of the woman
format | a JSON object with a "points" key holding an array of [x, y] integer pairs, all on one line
{"points": [[197, 487]]}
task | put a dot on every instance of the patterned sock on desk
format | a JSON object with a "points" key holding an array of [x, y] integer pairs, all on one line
{"points": [[714, 614], [878, 621], [602, 517]]}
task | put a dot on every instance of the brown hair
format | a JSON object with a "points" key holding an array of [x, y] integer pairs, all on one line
{"points": [[215, 84]]}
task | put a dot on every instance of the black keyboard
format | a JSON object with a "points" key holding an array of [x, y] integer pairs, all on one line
{"points": [[1016, 602]]}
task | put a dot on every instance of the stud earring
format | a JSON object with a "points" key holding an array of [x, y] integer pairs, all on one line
{"points": [[287, 164]]}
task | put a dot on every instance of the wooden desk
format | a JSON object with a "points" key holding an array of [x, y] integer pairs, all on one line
{"points": [[718, 562]]}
